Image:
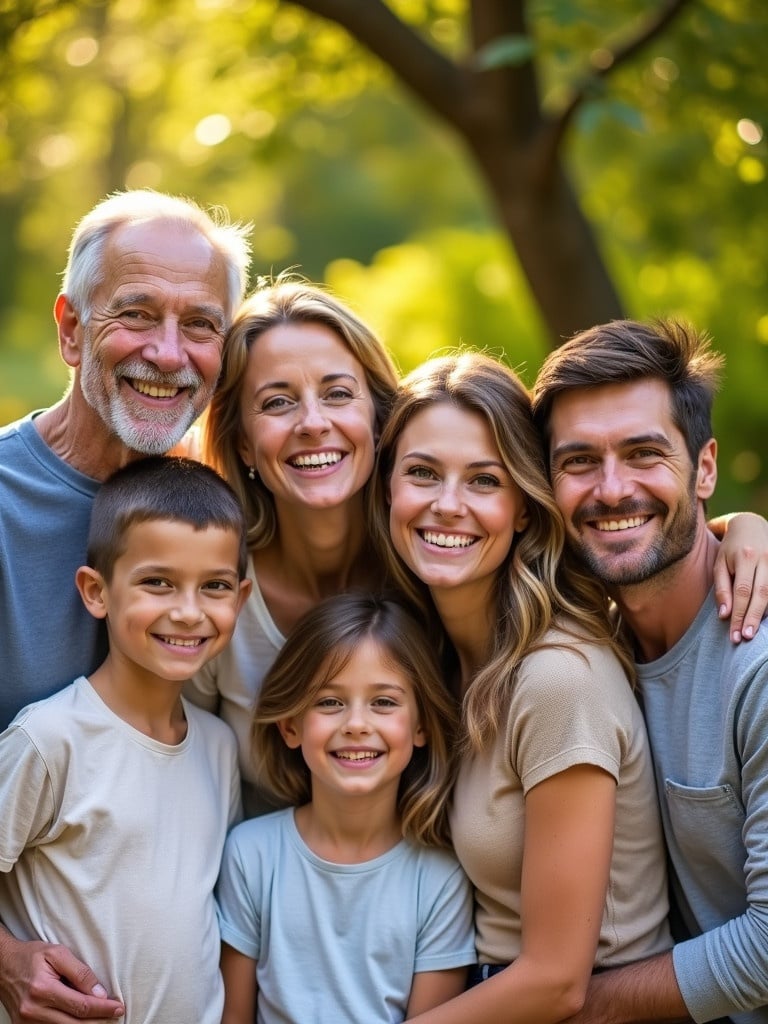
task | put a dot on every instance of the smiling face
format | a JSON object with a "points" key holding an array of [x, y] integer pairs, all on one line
{"points": [[307, 416], [358, 734], [623, 478], [172, 600], [148, 359], [454, 508]]}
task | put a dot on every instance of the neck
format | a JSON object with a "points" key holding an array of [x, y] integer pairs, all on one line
{"points": [[77, 434], [320, 550], [659, 611], [350, 830], [468, 617], [149, 704]]}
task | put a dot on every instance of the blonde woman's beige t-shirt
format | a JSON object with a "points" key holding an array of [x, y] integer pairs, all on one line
{"points": [[569, 706]]}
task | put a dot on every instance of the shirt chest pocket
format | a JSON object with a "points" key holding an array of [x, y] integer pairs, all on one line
{"points": [[707, 826]]}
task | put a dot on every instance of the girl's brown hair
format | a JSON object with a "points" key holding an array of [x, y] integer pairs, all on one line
{"points": [[316, 650]]}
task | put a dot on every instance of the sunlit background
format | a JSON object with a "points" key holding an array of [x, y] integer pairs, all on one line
{"points": [[281, 117]]}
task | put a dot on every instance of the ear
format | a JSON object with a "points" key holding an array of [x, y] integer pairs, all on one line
{"points": [[244, 449], [245, 589], [706, 473], [70, 331], [290, 732], [522, 517], [419, 736], [92, 590]]}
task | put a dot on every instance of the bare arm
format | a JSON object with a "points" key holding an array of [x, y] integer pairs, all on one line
{"points": [[239, 974], [641, 992], [569, 821], [431, 988], [741, 572], [47, 984]]}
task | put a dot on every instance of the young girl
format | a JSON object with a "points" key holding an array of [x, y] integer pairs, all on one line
{"points": [[345, 908]]}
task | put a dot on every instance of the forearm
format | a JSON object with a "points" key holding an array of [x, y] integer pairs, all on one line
{"points": [[637, 993]]}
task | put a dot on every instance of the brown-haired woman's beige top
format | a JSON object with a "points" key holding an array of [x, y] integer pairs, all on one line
{"points": [[569, 706]]}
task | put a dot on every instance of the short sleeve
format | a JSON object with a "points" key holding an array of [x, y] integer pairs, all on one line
{"points": [[446, 936], [236, 894], [26, 796], [570, 707]]}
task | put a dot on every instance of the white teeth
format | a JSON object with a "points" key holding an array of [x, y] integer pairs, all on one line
{"points": [[154, 390], [317, 459], [448, 540], [357, 755], [611, 525], [177, 641]]}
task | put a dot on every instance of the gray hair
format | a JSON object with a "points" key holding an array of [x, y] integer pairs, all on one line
{"points": [[85, 266]]}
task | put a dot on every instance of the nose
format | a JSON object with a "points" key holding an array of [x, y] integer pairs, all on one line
{"points": [[448, 501], [356, 721], [614, 483], [186, 608], [166, 348], [312, 418]]}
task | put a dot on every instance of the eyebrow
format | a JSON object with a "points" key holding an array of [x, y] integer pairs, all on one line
{"points": [[574, 447], [170, 570], [328, 378], [478, 464], [381, 687]]}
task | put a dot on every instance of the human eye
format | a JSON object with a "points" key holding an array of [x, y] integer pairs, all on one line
{"points": [[420, 472], [385, 703], [155, 583], [218, 586], [201, 329], [647, 454], [327, 703], [135, 317], [338, 394], [575, 463], [276, 404], [486, 480]]}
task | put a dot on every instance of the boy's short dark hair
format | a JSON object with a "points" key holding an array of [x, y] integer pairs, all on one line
{"points": [[161, 487]]}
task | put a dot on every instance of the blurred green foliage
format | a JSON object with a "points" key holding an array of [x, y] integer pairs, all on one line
{"points": [[279, 116]]}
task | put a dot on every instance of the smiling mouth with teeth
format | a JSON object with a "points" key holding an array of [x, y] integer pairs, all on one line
{"points": [[317, 460], [448, 540], [153, 390], [356, 755], [178, 641], [614, 525]]}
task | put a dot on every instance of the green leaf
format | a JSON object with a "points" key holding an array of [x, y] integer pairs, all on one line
{"points": [[506, 51]]}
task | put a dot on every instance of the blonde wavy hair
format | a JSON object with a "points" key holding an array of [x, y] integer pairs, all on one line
{"points": [[540, 584], [286, 300]]}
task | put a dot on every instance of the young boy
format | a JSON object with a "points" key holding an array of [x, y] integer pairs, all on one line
{"points": [[115, 793]]}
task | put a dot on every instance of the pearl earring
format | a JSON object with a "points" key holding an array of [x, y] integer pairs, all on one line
{"points": [[251, 473]]}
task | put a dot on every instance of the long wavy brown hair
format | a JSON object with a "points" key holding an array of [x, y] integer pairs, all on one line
{"points": [[540, 585]]}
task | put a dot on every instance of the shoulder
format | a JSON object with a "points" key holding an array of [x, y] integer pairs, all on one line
{"points": [[47, 725], [569, 658], [430, 865]]}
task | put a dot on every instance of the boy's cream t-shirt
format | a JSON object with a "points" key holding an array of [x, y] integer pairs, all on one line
{"points": [[110, 844], [570, 705]]}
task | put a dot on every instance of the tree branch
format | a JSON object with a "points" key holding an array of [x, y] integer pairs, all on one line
{"points": [[433, 78], [602, 66]]}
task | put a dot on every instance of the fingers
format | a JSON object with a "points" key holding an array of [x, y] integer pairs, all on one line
{"points": [[745, 597], [77, 991], [60, 989]]}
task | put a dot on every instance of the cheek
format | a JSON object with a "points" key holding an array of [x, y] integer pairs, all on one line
{"points": [[398, 520], [207, 360]]}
